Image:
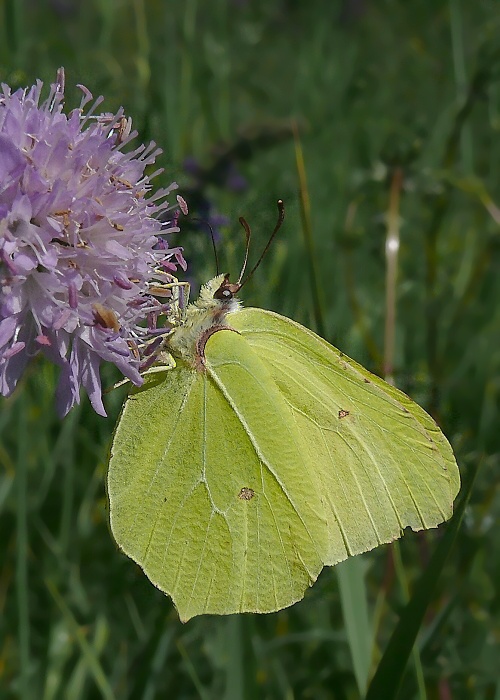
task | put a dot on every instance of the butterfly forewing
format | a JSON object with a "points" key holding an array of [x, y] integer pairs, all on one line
{"points": [[381, 463]]}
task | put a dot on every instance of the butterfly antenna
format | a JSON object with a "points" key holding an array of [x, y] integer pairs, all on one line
{"points": [[281, 216], [212, 236], [248, 234], [214, 246]]}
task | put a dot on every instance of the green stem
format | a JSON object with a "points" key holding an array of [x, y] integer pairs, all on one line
{"points": [[68, 484], [305, 211], [13, 11], [391, 254], [186, 78], [460, 72], [22, 550], [143, 48], [476, 89]]}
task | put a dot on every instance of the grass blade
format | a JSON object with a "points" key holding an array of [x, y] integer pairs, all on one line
{"points": [[350, 575], [389, 674], [403, 582], [88, 653], [240, 667], [305, 212], [192, 672]]}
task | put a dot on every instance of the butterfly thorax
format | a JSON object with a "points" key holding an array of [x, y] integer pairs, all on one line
{"points": [[203, 318]]}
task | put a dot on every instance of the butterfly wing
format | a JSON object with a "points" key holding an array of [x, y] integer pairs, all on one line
{"points": [[233, 487], [208, 487], [380, 460]]}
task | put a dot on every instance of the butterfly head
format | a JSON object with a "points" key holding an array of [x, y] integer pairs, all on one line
{"points": [[219, 294], [207, 315], [227, 290]]}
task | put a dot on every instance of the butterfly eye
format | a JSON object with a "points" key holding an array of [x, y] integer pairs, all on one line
{"points": [[223, 293], [227, 290]]}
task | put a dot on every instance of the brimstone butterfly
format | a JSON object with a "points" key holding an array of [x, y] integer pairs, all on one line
{"points": [[262, 456]]}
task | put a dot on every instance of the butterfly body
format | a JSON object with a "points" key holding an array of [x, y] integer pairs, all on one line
{"points": [[263, 456], [203, 316]]}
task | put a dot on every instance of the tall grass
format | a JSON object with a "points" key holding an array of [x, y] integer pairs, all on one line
{"points": [[394, 87]]}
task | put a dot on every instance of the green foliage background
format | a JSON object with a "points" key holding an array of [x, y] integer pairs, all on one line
{"points": [[382, 93]]}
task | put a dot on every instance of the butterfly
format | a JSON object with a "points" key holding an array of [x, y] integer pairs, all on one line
{"points": [[262, 456]]}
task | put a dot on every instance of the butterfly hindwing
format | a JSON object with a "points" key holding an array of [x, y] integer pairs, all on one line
{"points": [[214, 501]]}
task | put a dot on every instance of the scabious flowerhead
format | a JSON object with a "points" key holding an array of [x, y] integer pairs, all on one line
{"points": [[80, 247]]}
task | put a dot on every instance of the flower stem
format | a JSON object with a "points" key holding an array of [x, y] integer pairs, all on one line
{"points": [[22, 550], [391, 255]]}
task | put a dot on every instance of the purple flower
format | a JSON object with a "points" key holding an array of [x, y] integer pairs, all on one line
{"points": [[79, 247]]}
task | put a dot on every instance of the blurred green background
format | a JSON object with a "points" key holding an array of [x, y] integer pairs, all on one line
{"points": [[395, 107]]}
